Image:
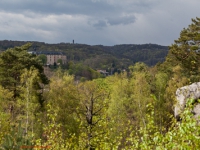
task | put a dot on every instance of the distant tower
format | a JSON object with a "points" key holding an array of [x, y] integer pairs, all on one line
{"points": [[73, 41]]}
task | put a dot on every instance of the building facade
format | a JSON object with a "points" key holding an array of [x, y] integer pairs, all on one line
{"points": [[54, 57]]}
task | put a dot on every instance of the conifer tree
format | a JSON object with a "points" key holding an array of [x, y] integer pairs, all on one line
{"points": [[186, 50], [12, 63]]}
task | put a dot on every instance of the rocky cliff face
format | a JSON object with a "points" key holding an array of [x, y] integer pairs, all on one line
{"points": [[184, 94]]}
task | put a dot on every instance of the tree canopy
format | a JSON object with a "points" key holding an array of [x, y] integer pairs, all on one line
{"points": [[12, 64], [127, 110], [186, 50]]}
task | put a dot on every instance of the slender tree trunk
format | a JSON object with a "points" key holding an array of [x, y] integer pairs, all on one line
{"points": [[27, 107]]}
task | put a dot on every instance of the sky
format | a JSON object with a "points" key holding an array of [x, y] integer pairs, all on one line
{"points": [[94, 22]]}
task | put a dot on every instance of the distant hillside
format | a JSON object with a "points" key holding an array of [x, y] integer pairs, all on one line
{"points": [[99, 56]]}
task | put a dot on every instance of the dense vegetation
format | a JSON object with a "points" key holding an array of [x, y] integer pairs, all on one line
{"points": [[128, 110], [84, 60], [99, 56]]}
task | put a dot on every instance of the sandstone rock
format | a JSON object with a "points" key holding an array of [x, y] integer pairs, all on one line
{"points": [[185, 93]]}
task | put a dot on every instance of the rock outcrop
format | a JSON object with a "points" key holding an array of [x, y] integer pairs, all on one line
{"points": [[185, 93]]}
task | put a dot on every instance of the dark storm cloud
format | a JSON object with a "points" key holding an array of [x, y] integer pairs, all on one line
{"points": [[73, 7], [95, 9], [121, 20], [100, 24], [96, 21], [112, 21], [101, 11]]}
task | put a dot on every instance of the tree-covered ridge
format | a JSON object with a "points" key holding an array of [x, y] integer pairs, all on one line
{"points": [[128, 110], [121, 55]]}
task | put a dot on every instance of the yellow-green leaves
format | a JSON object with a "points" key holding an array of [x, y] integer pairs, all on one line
{"points": [[5, 115]]}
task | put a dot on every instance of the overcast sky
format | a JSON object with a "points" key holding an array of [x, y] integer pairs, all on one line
{"points": [[93, 22]]}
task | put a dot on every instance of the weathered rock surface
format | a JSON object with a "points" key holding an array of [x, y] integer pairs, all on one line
{"points": [[185, 93], [196, 111]]}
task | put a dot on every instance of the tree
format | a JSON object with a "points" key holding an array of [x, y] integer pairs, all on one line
{"points": [[186, 50], [28, 102], [12, 63], [60, 62], [161, 105], [120, 104], [93, 104], [141, 91], [5, 95], [43, 59], [177, 80], [63, 94]]}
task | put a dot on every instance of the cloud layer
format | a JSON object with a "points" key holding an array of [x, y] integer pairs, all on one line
{"points": [[106, 22]]}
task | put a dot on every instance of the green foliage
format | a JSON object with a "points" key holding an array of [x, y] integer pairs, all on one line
{"points": [[63, 94], [93, 99], [28, 103], [138, 67], [60, 61], [16, 139], [5, 116], [128, 110], [184, 135], [186, 50], [119, 102], [128, 99], [12, 63], [162, 105], [43, 59], [80, 70], [99, 56], [52, 134], [22, 76]]}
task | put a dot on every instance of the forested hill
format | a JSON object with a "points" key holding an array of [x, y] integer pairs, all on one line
{"points": [[99, 56]]}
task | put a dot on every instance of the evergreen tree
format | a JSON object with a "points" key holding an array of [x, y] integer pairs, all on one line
{"points": [[186, 50], [12, 63]]}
